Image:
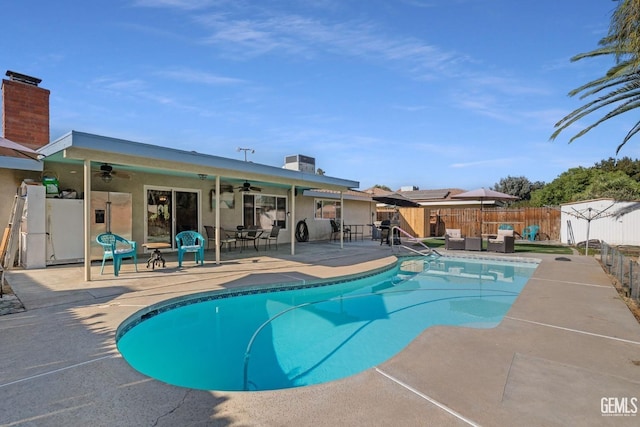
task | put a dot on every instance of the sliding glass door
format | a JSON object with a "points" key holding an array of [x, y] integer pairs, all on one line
{"points": [[170, 211]]}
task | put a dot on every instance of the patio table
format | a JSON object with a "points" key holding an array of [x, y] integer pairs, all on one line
{"points": [[473, 243], [242, 236]]}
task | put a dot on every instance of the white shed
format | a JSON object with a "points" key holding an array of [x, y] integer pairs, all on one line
{"points": [[614, 222]]}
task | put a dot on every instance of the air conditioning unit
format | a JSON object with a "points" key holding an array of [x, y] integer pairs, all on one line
{"points": [[300, 163]]}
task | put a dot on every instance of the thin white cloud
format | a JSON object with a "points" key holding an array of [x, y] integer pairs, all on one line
{"points": [[410, 108], [485, 105], [119, 85], [245, 30], [508, 86], [200, 77], [178, 4], [297, 35], [500, 162], [419, 3]]}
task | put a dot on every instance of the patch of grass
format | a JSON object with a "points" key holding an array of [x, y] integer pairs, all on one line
{"points": [[543, 249], [536, 248]]}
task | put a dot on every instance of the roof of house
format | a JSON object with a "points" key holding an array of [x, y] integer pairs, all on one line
{"points": [[347, 195], [75, 147], [423, 195]]}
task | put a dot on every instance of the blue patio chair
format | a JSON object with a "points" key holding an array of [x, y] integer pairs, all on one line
{"points": [[117, 248], [190, 242], [530, 232]]}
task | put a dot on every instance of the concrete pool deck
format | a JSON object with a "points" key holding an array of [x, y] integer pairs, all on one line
{"points": [[567, 343]]}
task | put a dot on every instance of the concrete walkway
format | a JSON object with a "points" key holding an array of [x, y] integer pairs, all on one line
{"points": [[567, 343]]}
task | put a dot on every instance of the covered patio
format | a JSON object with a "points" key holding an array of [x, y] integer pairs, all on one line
{"points": [[219, 191]]}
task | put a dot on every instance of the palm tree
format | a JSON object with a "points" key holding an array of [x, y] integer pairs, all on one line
{"points": [[622, 81]]}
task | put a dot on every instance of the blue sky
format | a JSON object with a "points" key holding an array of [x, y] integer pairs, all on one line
{"points": [[431, 93]]}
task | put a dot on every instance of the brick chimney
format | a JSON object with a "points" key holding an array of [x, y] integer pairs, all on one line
{"points": [[25, 110]]}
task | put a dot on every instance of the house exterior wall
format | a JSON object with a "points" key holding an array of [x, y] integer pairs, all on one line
{"points": [[617, 223], [71, 178], [10, 181], [356, 212]]}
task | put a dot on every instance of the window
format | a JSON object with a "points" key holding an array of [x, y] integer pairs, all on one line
{"points": [[170, 211], [328, 209], [264, 211]]}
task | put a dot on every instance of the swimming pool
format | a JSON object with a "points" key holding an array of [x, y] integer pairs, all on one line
{"points": [[290, 336]]}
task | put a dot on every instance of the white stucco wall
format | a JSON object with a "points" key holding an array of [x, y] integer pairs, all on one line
{"points": [[617, 223]]}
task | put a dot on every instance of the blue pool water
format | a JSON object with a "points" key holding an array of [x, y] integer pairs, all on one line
{"points": [[284, 338]]}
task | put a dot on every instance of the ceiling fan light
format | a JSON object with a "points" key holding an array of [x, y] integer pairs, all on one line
{"points": [[106, 177]]}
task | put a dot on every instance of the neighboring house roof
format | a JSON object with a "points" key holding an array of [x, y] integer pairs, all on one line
{"points": [[347, 195], [436, 198], [429, 195], [443, 198], [376, 191], [76, 146], [419, 195]]}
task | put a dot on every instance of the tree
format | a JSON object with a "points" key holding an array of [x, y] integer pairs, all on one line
{"points": [[564, 188], [625, 164], [518, 186], [382, 187], [616, 185], [586, 184], [622, 81]]}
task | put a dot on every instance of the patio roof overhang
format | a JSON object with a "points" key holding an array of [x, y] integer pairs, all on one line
{"points": [[17, 163], [76, 147]]}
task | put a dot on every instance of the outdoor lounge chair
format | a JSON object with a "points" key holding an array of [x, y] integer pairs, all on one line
{"points": [[190, 242], [117, 248], [503, 242], [453, 239]]}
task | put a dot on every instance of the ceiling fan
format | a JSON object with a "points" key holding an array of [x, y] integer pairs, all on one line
{"points": [[106, 173], [248, 187]]}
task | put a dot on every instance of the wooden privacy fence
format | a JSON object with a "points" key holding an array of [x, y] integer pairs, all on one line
{"points": [[425, 222]]}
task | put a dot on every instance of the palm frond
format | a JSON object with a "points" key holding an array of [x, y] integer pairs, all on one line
{"points": [[631, 133], [629, 90]]}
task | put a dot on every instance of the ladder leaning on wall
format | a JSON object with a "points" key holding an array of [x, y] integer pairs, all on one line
{"points": [[11, 235]]}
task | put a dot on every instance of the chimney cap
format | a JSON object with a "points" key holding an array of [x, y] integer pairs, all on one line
{"points": [[23, 78]]}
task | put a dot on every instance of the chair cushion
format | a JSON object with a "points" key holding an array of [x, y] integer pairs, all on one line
{"points": [[454, 232], [124, 251], [501, 235], [190, 247]]}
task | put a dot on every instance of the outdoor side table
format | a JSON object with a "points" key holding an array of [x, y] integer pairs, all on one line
{"points": [[473, 243], [156, 256]]}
